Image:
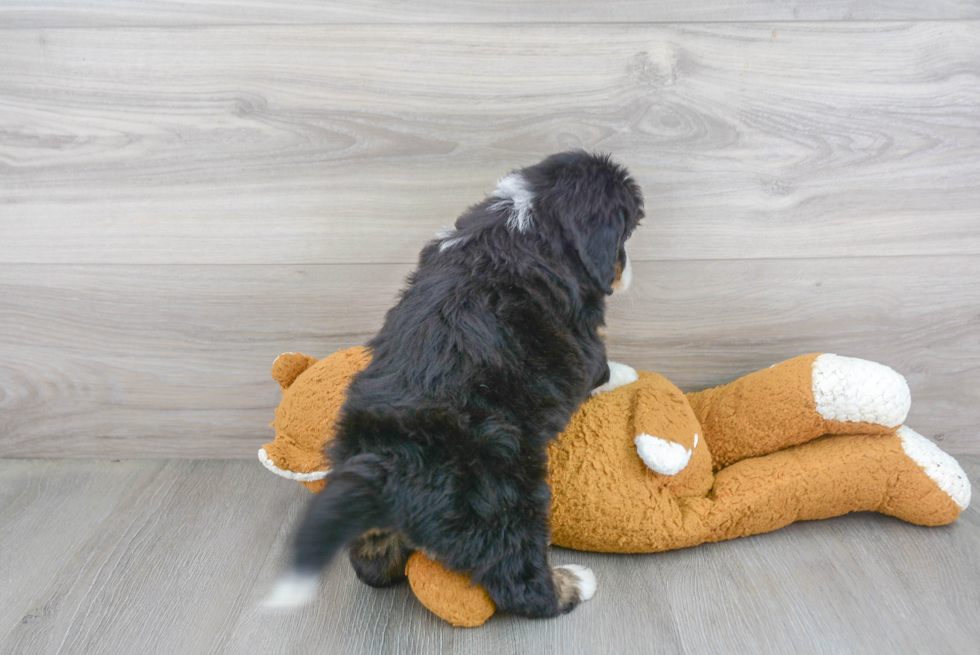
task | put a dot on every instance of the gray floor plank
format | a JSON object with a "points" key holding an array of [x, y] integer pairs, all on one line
{"points": [[163, 572], [352, 144], [63, 13], [158, 361], [174, 557], [48, 513]]}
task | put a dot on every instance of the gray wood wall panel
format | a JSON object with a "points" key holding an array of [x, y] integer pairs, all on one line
{"points": [[174, 360], [65, 13], [182, 201], [175, 557], [329, 144]]}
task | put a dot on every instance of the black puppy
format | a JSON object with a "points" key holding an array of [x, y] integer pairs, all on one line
{"points": [[493, 345]]}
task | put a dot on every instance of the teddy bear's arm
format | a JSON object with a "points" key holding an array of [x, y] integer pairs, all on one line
{"points": [[666, 433]]}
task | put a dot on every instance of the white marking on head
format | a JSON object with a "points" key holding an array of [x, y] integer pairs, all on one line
{"points": [[660, 455], [449, 243], [859, 391], [945, 471], [514, 195], [447, 236]]}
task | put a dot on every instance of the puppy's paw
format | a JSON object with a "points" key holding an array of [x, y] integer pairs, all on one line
{"points": [[619, 375], [575, 584]]}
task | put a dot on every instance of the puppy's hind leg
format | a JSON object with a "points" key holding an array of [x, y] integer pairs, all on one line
{"points": [[379, 557]]}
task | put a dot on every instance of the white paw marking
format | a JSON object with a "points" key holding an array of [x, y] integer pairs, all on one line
{"points": [[292, 590], [945, 471], [660, 455], [586, 580], [514, 194], [619, 375], [290, 475], [859, 391]]}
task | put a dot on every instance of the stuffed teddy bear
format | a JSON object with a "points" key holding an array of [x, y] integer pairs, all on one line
{"points": [[645, 467]]}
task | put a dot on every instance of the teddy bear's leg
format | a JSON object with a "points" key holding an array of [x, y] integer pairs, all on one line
{"points": [[901, 474], [799, 400]]}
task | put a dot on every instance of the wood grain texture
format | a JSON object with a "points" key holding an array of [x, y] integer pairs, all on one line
{"points": [[162, 572], [354, 143], [47, 515], [63, 13], [176, 556], [124, 361]]}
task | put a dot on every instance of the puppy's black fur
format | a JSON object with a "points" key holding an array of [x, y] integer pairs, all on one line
{"points": [[493, 345]]}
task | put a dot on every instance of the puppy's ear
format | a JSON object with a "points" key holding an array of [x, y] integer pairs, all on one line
{"points": [[593, 230], [598, 246]]}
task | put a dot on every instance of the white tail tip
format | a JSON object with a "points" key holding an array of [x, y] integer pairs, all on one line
{"points": [[292, 590]]}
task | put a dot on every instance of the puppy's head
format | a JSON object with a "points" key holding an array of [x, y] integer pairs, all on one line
{"points": [[592, 203]]}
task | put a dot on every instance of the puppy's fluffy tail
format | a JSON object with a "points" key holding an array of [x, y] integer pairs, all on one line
{"points": [[349, 505]]}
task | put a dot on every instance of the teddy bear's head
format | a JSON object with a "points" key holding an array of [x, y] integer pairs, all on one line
{"points": [[312, 393]]}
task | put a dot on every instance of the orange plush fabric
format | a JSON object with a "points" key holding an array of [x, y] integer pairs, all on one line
{"points": [[646, 468], [305, 417], [450, 595]]}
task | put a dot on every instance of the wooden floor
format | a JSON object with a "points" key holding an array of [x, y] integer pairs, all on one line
{"points": [[159, 556]]}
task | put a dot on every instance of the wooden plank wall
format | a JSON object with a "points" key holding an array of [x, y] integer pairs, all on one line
{"points": [[189, 189]]}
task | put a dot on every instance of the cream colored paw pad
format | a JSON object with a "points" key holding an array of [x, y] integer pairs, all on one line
{"points": [[941, 468], [859, 391], [662, 456]]}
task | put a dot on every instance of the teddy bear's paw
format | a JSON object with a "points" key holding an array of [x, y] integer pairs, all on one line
{"points": [[858, 391], [662, 456], [619, 375], [582, 578], [941, 468]]}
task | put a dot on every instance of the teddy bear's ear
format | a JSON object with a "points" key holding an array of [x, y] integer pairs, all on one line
{"points": [[288, 367]]}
